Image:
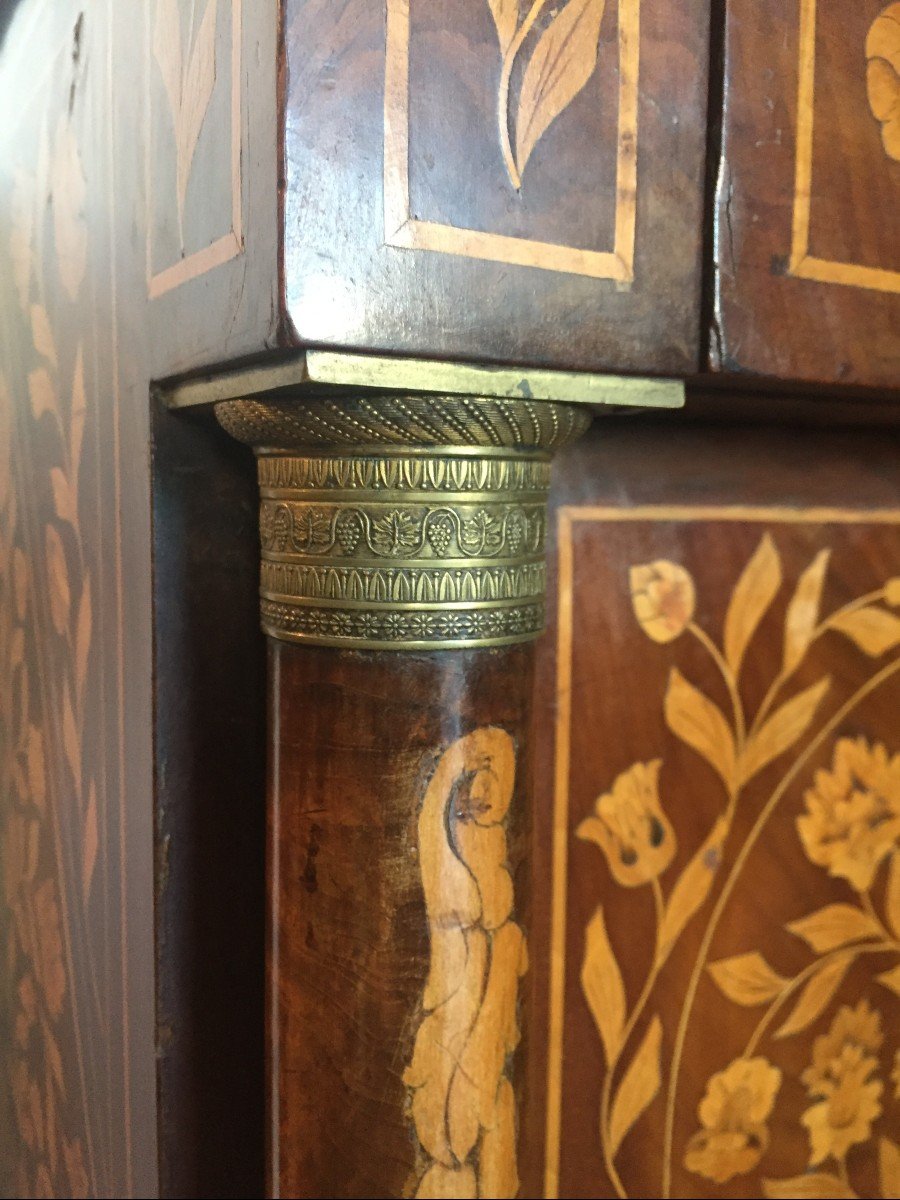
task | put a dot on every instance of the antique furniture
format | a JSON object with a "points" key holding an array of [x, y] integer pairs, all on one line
{"points": [[407, 331]]}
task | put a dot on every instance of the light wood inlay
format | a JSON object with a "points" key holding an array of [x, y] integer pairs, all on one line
{"points": [[872, 629], [802, 263], [403, 230], [227, 247]]}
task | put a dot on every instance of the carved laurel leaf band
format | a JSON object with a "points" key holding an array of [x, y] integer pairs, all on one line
{"points": [[428, 533]]}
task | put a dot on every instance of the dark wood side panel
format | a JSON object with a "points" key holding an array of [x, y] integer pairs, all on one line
{"points": [[523, 189], [209, 744], [128, 210]]}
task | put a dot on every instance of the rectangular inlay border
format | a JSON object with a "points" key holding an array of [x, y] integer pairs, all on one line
{"points": [[803, 264], [230, 244], [567, 518], [403, 230]]}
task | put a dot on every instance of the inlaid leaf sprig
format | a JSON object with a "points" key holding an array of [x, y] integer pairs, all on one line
{"points": [[189, 82], [561, 61]]}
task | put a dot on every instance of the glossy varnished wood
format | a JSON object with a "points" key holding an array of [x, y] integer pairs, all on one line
{"points": [[806, 244], [444, 197], [355, 741], [701, 498], [137, 238]]}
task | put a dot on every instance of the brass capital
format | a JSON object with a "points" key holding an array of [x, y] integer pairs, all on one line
{"points": [[403, 522]]}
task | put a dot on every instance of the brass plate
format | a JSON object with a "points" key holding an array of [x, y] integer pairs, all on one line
{"points": [[316, 370]]}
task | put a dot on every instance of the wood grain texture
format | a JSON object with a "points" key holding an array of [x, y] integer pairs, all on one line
{"points": [[506, 162], [664, 536], [208, 167], [209, 755], [79, 345], [366, 749], [805, 245], [77, 929]]}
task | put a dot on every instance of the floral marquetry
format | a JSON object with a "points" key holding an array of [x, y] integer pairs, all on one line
{"points": [[852, 821], [631, 828], [883, 76], [734, 861], [663, 596], [733, 1116]]}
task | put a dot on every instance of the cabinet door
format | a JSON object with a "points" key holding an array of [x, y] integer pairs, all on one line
{"points": [[807, 245], [495, 179], [717, 884]]}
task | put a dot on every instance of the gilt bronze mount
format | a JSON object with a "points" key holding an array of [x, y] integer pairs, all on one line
{"points": [[403, 522]]}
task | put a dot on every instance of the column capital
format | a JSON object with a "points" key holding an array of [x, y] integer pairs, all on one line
{"points": [[403, 521]]}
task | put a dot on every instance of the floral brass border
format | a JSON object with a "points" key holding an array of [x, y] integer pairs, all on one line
{"points": [[802, 264], [836, 934], [401, 229]]}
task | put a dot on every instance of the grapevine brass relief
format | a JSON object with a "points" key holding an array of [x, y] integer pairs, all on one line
{"points": [[424, 532], [409, 569], [849, 826], [462, 1103], [883, 76], [558, 62]]}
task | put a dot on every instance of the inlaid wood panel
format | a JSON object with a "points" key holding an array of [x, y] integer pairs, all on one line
{"points": [[806, 243], [719, 845], [88, 316], [496, 180], [207, 168], [78, 944]]}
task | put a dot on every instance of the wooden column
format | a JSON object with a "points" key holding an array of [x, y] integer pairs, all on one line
{"points": [[402, 586]]}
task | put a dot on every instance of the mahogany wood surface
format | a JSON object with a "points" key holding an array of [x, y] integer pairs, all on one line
{"points": [[403, 226], [806, 240], [702, 499], [355, 739]]}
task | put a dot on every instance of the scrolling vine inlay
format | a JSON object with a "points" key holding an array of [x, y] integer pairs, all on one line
{"points": [[462, 1101], [849, 827]]}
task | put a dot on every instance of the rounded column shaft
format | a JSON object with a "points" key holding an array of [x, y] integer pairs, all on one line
{"points": [[402, 586]]}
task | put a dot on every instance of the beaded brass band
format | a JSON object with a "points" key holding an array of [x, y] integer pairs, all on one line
{"points": [[403, 522]]}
